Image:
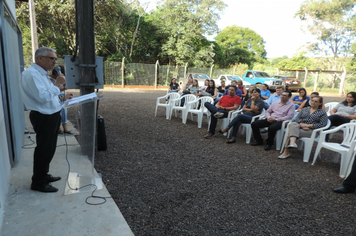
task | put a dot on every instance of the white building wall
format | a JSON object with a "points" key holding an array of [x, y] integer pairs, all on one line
{"points": [[5, 166]]}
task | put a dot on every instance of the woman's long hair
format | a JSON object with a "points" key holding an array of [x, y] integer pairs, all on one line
{"points": [[321, 100], [353, 94], [305, 93], [172, 81], [197, 83], [211, 89]]}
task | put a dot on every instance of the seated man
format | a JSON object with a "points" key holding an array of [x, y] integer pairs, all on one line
{"points": [[226, 104], [274, 97], [349, 184], [278, 112]]}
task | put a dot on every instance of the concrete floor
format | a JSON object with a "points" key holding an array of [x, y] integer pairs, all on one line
{"points": [[33, 213]]}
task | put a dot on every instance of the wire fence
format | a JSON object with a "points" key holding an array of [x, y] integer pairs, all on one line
{"points": [[140, 74]]}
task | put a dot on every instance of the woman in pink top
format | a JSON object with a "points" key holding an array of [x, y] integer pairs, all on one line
{"points": [[242, 88]]}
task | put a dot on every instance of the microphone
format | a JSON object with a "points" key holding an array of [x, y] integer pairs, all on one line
{"points": [[58, 70]]}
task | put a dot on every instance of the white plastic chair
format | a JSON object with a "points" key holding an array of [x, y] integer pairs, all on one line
{"points": [[225, 121], [329, 106], [306, 142], [166, 104], [345, 149], [176, 105], [246, 128], [280, 133], [352, 159], [192, 108]]}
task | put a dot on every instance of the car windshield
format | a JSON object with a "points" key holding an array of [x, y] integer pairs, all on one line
{"points": [[201, 76], [233, 77], [262, 74]]}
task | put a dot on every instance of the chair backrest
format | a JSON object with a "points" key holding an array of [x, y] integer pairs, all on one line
{"points": [[189, 98], [349, 133], [263, 112], [204, 100], [174, 96], [295, 116], [329, 106]]}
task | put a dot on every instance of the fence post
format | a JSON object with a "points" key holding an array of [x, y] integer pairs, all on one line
{"points": [[234, 70], [156, 74], [169, 63], [343, 78], [305, 77], [315, 80], [297, 74], [185, 70], [123, 73], [277, 71], [211, 70]]}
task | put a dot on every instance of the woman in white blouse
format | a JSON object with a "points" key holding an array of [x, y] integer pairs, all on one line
{"points": [[345, 111], [309, 118]]}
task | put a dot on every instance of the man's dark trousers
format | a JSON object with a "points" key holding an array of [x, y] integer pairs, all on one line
{"points": [[272, 130], [46, 128], [213, 120], [350, 181]]}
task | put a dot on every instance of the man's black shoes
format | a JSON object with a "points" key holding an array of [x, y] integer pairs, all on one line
{"points": [[257, 143], [342, 189], [49, 178], [268, 147], [45, 188]]}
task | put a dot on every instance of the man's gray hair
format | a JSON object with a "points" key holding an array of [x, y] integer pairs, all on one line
{"points": [[42, 52]]}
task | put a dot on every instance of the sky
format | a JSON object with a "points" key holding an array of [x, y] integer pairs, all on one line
{"points": [[273, 20]]}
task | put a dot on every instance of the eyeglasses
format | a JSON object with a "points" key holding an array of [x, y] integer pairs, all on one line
{"points": [[52, 58]]}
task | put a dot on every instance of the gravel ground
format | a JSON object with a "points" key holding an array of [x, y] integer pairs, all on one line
{"points": [[168, 180]]}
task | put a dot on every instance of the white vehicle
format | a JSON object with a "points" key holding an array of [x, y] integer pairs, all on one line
{"points": [[229, 78], [198, 76]]}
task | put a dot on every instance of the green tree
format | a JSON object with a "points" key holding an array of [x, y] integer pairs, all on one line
{"points": [[331, 21], [121, 29], [241, 45], [184, 22], [298, 61]]}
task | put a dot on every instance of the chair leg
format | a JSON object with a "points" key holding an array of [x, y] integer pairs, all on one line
{"points": [[317, 151], [184, 117], [307, 150], [156, 111], [248, 135], [167, 113], [345, 160], [278, 140], [200, 119]]}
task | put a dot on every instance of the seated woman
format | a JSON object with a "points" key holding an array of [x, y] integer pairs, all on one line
{"points": [[242, 88], [306, 103], [206, 84], [265, 93], [252, 107], [345, 111], [299, 99], [174, 87], [309, 118], [194, 88], [211, 89], [222, 88]]}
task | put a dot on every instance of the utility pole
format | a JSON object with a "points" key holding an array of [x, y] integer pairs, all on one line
{"points": [[33, 28], [85, 29]]}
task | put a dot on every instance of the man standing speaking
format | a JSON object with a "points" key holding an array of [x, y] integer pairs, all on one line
{"points": [[41, 97]]}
